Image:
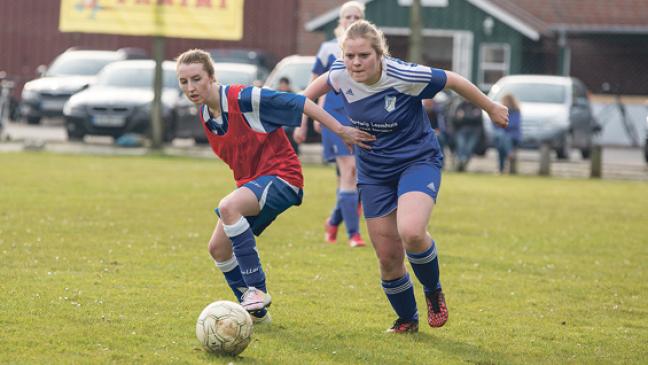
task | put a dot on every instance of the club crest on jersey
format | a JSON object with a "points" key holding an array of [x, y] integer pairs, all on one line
{"points": [[390, 103]]}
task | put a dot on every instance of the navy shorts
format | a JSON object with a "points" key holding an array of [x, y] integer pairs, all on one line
{"points": [[275, 195], [378, 200], [332, 145]]}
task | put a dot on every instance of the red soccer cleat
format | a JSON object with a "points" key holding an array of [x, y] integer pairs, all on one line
{"points": [[356, 241], [437, 310], [401, 326], [330, 232]]}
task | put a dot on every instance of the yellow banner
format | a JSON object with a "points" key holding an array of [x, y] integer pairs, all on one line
{"points": [[205, 19]]}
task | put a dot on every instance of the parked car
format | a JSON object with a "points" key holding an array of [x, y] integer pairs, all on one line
{"points": [[261, 60], [226, 73], [237, 73], [296, 68], [646, 140], [70, 72], [119, 102], [555, 110]]}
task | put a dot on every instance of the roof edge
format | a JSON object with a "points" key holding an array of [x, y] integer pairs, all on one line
{"points": [[599, 29], [507, 18]]}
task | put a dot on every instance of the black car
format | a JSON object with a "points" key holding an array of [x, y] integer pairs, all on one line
{"points": [[69, 73], [119, 102]]}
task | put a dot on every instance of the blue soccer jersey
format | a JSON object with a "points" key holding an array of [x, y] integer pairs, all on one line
{"points": [[264, 110], [329, 52], [391, 109]]}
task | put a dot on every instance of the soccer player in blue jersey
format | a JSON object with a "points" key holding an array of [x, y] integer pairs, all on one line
{"points": [[400, 176], [244, 128], [346, 203]]}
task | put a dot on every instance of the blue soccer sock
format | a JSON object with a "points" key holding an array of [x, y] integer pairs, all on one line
{"points": [[234, 278], [348, 202], [244, 246], [336, 215], [400, 293], [426, 268]]}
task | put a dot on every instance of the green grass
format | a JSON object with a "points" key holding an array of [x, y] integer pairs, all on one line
{"points": [[104, 260]]}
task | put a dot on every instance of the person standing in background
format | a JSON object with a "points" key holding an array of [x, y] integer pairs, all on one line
{"points": [[284, 86], [508, 138]]}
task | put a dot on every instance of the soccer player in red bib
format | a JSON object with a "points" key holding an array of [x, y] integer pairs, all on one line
{"points": [[243, 126]]}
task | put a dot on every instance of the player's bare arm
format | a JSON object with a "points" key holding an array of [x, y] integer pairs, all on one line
{"points": [[350, 135]]}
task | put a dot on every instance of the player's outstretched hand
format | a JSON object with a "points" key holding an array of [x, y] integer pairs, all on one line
{"points": [[498, 113], [299, 135], [355, 136]]}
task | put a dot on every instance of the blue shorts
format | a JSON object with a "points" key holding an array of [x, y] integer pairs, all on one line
{"points": [[275, 195], [378, 200], [333, 146]]}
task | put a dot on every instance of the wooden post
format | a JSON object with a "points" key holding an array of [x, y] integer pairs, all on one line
{"points": [[545, 159], [513, 162], [596, 161], [416, 35]]}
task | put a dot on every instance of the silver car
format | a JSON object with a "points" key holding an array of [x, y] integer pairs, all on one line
{"points": [[296, 68], [554, 110]]}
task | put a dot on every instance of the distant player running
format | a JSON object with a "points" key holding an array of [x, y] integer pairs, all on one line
{"points": [[346, 202], [243, 126], [400, 176]]}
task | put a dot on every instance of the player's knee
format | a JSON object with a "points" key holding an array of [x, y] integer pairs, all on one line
{"points": [[413, 236], [228, 210], [390, 262]]}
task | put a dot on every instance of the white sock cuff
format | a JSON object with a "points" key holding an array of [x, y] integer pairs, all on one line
{"points": [[350, 191], [227, 265], [237, 228]]}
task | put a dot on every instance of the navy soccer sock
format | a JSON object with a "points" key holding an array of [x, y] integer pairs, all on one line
{"points": [[426, 268], [244, 246], [336, 215], [348, 202], [234, 278], [400, 293]]}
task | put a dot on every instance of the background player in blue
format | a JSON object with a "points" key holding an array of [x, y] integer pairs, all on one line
{"points": [[243, 126], [346, 202], [399, 177]]}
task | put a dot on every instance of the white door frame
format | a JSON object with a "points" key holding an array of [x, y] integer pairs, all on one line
{"points": [[462, 46]]}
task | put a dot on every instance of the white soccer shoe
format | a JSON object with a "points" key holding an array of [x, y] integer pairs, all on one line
{"points": [[254, 300]]}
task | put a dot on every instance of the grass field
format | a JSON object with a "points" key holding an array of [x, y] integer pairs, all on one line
{"points": [[104, 260]]}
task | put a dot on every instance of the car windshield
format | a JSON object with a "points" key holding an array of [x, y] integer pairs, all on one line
{"points": [[135, 77], [299, 75], [228, 77], [533, 92], [76, 65]]}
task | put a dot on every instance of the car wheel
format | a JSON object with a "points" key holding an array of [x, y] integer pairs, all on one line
{"points": [[562, 151], [33, 120], [75, 136], [201, 140], [169, 133]]}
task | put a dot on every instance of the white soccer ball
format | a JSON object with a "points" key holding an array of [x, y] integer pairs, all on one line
{"points": [[224, 328]]}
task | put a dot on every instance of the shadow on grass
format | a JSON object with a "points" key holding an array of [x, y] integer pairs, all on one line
{"points": [[362, 347]]}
